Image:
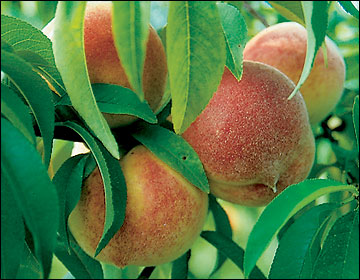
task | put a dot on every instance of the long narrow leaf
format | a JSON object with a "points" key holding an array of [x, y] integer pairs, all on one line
{"points": [[222, 225], [355, 113], [180, 266], [196, 56], [131, 30], [34, 192], [230, 249], [235, 31], [280, 210], [17, 113], [146, 272], [68, 182], [118, 100], [339, 257], [296, 243], [12, 232], [80, 264], [316, 19], [33, 40], [292, 10], [174, 151], [36, 93], [70, 58], [350, 8], [114, 184]]}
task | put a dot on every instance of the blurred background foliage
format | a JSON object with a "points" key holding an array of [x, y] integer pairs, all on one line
{"points": [[336, 157]]}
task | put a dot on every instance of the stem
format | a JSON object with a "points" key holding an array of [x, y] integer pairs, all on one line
{"points": [[255, 13]]}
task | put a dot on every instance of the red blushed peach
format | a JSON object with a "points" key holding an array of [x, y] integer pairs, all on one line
{"points": [[104, 65], [252, 140], [283, 46], [164, 213]]}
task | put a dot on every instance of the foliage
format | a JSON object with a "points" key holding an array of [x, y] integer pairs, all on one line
{"points": [[314, 224]]}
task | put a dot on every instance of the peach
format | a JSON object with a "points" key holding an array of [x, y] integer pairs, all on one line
{"points": [[283, 46], [164, 213], [252, 140], [104, 65]]}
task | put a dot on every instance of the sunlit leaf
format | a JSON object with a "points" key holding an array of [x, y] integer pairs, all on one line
{"points": [[175, 152], [291, 10], [25, 38], [196, 56], [114, 184], [118, 100], [281, 209], [70, 59], [316, 19], [130, 23], [235, 32]]}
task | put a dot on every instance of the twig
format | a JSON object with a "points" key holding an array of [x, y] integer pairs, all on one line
{"points": [[255, 13]]}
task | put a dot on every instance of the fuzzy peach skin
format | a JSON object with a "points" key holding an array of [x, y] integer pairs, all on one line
{"points": [[164, 213], [252, 140], [104, 65], [283, 46]]}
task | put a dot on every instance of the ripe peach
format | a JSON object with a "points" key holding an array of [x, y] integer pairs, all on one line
{"points": [[283, 46], [104, 65], [252, 140], [164, 213]]}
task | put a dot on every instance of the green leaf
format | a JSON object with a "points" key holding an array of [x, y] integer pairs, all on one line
{"points": [[22, 36], [114, 184], [355, 113], [235, 31], [130, 23], [316, 19], [339, 257], [80, 264], [17, 113], [33, 58], [175, 152], [70, 59], [280, 210], [146, 272], [222, 225], [68, 181], [62, 150], [30, 267], [292, 10], [314, 250], [350, 8], [12, 231], [118, 100], [6, 46], [180, 267], [230, 249], [196, 57], [297, 242], [36, 93], [34, 192]]}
